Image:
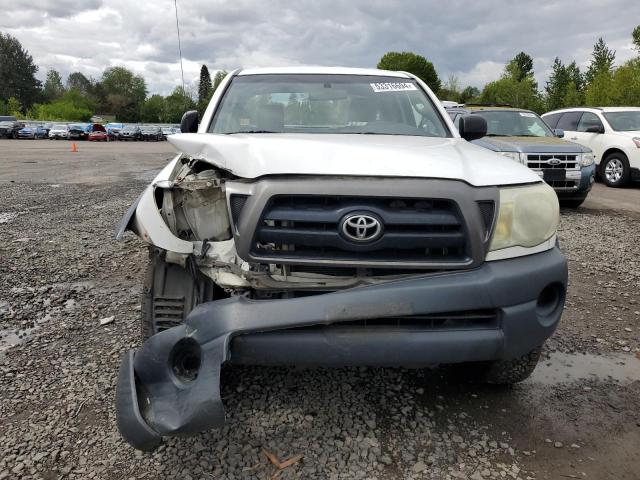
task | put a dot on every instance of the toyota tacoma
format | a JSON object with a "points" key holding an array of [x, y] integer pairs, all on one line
{"points": [[330, 217]]}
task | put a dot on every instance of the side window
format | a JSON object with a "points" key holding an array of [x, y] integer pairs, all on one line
{"points": [[569, 121], [587, 120], [552, 120]]}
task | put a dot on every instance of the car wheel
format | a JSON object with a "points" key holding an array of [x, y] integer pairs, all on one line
{"points": [[615, 170], [169, 293]]}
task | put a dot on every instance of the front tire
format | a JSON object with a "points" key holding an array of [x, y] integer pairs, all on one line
{"points": [[615, 170], [169, 293]]}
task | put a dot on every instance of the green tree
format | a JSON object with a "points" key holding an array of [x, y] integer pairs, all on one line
{"points": [[153, 109], [122, 93], [625, 85], [176, 104], [635, 35], [412, 63], [217, 79], [556, 87], [14, 107], [53, 88], [451, 89], [79, 82], [469, 94], [602, 59], [17, 72], [205, 89], [509, 91], [598, 92], [520, 67]]}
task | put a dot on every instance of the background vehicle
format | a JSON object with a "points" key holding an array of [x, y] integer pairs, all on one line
{"points": [[27, 133], [98, 133], [42, 130], [130, 132], [613, 133], [59, 131], [310, 217], [78, 131], [113, 129], [151, 133], [10, 128], [524, 137], [166, 131]]}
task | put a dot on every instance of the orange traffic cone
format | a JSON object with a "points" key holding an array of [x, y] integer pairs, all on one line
{"points": [[74, 147]]}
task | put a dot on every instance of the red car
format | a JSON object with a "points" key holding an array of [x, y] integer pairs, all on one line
{"points": [[98, 133]]}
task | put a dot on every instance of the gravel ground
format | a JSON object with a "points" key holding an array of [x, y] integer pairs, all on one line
{"points": [[61, 272]]}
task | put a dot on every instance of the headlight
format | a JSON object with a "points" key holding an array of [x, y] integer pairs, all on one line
{"points": [[527, 216], [587, 159], [518, 157]]}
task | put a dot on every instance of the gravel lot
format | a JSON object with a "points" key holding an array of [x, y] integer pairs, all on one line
{"points": [[61, 272]]}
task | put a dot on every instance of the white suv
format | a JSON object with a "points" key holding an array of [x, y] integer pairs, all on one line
{"points": [[613, 133]]}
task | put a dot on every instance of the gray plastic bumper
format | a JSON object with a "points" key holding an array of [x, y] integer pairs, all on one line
{"points": [[171, 385]]}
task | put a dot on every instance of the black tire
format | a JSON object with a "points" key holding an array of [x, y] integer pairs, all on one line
{"points": [[614, 170], [169, 293], [573, 203], [507, 372]]}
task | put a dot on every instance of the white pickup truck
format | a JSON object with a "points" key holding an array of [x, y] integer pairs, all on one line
{"points": [[333, 216]]}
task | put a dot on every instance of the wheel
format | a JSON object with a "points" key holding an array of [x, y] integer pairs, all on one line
{"points": [[615, 170], [507, 372], [573, 203], [169, 293]]}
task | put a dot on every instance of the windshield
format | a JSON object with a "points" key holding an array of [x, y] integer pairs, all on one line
{"points": [[130, 129], [624, 121], [348, 104], [59, 127], [510, 123]]}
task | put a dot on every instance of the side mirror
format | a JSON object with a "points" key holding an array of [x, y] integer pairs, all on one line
{"points": [[189, 122], [595, 129], [472, 127], [558, 132]]}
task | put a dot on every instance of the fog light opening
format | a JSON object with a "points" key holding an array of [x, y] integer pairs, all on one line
{"points": [[185, 360], [550, 299]]}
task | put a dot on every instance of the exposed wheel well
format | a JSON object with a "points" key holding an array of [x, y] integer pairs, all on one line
{"points": [[610, 151]]}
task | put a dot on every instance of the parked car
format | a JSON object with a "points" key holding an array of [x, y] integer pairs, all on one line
{"points": [[365, 230], [166, 131], [524, 137], [130, 132], [613, 133], [98, 133], [59, 131], [42, 130], [78, 131], [113, 130], [151, 133], [10, 128], [27, 133]]}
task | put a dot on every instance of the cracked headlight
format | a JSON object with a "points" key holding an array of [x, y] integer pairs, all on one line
{"points": [[587, 159], [516, 156], [527, 216]]}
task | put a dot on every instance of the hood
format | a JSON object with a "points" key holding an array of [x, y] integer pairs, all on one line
{"points": [[530, 145], [256, 155], [98, 128]]}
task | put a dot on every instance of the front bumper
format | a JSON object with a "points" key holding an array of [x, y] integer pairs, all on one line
{"points": [[156, 398]]}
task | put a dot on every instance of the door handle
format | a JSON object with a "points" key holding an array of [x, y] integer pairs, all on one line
{"points": [[573, 138]]}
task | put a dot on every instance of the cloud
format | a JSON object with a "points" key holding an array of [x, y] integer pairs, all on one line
{"points": [[470, 40]]}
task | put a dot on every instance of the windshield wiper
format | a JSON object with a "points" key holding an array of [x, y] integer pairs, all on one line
{"points": [[497, 135], [252, 131]]}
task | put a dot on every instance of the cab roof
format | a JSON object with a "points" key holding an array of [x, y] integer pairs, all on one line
{"points": [[322, 70], [595, 109]]}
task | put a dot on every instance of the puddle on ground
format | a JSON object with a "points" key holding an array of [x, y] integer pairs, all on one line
{"points": [[567, 367], [12, 337]]}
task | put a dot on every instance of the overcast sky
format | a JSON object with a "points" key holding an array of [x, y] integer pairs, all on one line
{"points": [[472, 40]]}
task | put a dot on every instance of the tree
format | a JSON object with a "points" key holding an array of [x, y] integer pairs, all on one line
{"points": [[509, 91], [635, 35], [217, 79], [412, 63], [469, 95], [520, 67], [598, 93], [451, 89], [122, 93], [17, 72], [176, 104], [601, 61], [625, 85], [53, 88], [14, 107], [77, 81], [153, 109], [205, 89], [556, 87]]}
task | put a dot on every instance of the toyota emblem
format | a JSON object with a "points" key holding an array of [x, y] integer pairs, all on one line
{"points": [[361, 227]]}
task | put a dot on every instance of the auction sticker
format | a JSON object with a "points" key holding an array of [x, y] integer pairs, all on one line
{"points": [[527, 114], [393, 87]]}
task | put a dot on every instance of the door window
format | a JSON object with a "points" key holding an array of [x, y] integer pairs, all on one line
{"points": [[588, 120], [552, 120], [569, 121]]}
